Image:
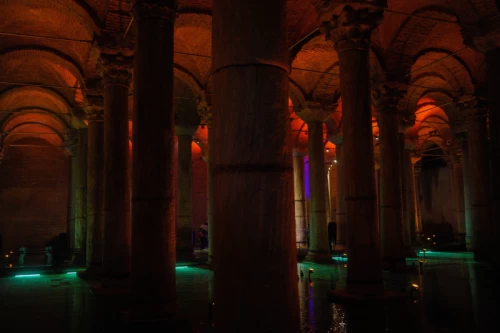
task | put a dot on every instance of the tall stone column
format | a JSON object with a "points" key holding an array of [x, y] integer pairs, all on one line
{"points": [[479, 178], [115, 71], [318, 251], [414, 197], [152, 274], [350, 29], [341, 206], [299, 193], [417, 168], [184, 241], [458, 193], [81, 198], [205, 114], [469, 232], [95, 179], [328, 206], [71, 145], [408, 222], [253, 183], [392, 241]]}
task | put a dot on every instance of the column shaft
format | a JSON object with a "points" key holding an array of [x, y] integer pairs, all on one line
{"points": [[469, 231], [458, 192], [341, 209], [152, 283], [210, 203], [253, 182], [81, 197], [184, 241], [480, 188], [391, 209], [95, 179], [318, 227], [300, 209], [116, 252], [364, 272]]}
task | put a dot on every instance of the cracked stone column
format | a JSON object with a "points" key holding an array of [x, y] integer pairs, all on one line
{"points": [[479, 169], [205, 114], [349, 26], [318, 251], [95, 178], [152, 274], [186, 124], [253, 170], [299, 193], [341, 209], [81, 198], [115, 71], [392, 242]]}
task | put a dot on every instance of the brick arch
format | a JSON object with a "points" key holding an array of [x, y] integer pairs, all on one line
{"points": [[34, 130], [26, 98], [33, 116], [412, 33]]}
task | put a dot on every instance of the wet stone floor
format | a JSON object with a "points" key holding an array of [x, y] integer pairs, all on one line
{"points": [[454, 295]]}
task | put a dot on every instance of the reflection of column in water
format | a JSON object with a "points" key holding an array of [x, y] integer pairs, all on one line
{"points": [[339, 319], [473, 292], [367, 318], [303, 297]]}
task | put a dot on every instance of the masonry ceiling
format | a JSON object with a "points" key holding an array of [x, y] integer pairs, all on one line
{"points": [[419, 44]]}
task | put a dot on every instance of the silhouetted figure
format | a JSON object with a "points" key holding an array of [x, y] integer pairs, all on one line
{"points": [[48, 256], [59, 245], [203, 234], [332, 235]]}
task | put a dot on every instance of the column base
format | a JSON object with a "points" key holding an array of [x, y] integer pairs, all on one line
{"points": [[318, 257], [394, 264], [343, 297], [151, 313], [185, 258]]}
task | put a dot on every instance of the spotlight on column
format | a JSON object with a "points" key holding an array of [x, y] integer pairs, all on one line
{"points": [[327, 150], [334, 161], [376, 138], [414, 293]]}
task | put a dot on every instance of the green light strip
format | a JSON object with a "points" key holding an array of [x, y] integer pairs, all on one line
{"points": [[26, 275]]}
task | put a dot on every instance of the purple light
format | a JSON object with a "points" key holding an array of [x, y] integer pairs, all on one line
{"points": [[307, 186]]}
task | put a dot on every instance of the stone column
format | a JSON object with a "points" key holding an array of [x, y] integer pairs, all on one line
{"points": [[350, 29], [341, 209], [479, 177], [328, 206], [81, 198], [414, 198], [408, 222], [469, 232], [115, 71], [152, 274], [458, 193], [184, 234], [205, 114], [392, 242], [71, 146], [95, 179], [253, 182], [318, 251], [417, 167], [299, 193]]}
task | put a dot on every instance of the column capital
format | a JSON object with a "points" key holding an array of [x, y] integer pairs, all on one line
{"points": [[204, 111], [94, 108], [349, 23], [337, 140], [313, 112], [418, 168], [415, 157], [115, 69], [154, 9], [461, 138], [386, 96], [482, 38], [71, 141], [471, 109]]}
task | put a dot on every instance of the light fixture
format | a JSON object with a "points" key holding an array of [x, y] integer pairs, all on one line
{"points": [[327, 150], [334, 161], [26, 275], [71, 273], [376, 138]]}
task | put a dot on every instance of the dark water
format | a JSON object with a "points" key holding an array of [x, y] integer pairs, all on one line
{"points": [[453, 295]]}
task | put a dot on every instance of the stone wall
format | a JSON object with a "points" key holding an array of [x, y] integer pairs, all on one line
{"points": [[33, 194]]}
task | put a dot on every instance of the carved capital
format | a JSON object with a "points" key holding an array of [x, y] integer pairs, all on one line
{"points": [[386, 96], [115, 69], [94, 108], [471, 109], [313, 112], [157, 9], [204, 111], [406, 122], [349, 23], [337, 140], [71, 141], [462, 140]]}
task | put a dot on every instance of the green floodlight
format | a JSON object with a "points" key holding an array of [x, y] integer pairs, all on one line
{"points": [[26, 275]]}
